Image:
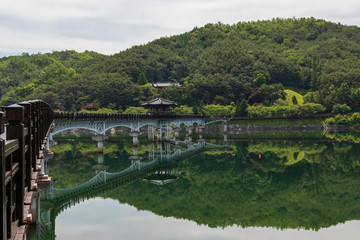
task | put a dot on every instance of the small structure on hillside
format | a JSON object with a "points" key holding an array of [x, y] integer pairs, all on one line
{"points": [[158, 106]]}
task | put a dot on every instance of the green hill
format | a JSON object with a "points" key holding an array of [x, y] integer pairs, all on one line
{"points": [[217, 63]]}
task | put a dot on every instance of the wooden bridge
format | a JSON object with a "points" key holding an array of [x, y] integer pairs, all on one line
{"points": [[23, 131]]}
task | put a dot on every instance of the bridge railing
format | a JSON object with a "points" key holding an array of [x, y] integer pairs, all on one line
{"points": [[62, 116], [23, 128]]}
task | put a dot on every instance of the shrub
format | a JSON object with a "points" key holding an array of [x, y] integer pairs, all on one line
{"points": [[100, 110], [341, 108], [136, 110], [183, 110], [355, 119], [218, 110], [311, 108], [330, 120]]}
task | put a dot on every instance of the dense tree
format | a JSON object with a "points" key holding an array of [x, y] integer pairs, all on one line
{"points": [[142, 79], [241, 108]]}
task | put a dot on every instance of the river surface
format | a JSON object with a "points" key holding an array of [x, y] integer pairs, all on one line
{"points": [[255, 189]]}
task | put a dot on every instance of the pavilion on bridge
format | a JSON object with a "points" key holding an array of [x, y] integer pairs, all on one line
{"points": [[159, 106]]}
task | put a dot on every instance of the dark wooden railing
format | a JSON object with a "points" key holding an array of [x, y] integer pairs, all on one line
{"points": [[23, 131]]}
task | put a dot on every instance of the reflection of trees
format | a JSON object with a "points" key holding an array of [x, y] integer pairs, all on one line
{"points": [[73, 161], [302, 184], [227, 189]]}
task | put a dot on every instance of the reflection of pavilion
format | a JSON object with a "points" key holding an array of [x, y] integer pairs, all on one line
{"points": [[161, 177]]}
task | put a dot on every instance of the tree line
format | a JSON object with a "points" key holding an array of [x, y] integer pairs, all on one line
{"points": [[217, 64]]}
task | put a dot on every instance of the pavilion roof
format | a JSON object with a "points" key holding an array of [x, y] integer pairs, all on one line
{"points": [[158, 101]]}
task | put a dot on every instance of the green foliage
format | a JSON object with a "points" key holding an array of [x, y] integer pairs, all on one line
{"points": [[100, 110], [267, 94], [137, 110], [142, 79], [315, 73], [353, 136], [341, 108], [273, 111], [294, 100], [311, 108], [353, 120], [218, 110], [240, 109], [288, 110], [147, 92], [183, 110], [343, 93]]}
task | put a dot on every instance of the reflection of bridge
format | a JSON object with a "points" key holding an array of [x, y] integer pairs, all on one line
{"points": [[137, 168], [55, 200]]}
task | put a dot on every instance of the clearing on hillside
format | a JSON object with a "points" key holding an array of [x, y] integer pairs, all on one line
{"points": [[290, 94]]}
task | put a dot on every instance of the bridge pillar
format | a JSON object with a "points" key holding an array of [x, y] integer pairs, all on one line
{"points": [[100, 139], [151, 148], [151, 134], [167, 148], [189, 134], [225, 138], [167, 134], [100, 163], [46, 222], [135, 136], [225, 127], [176, 133], [135, 157], [159, 148], [44, 181], [176, 136], [200, 130], [159, 135], [189, 131]]}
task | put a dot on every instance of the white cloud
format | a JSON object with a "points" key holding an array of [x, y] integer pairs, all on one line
{"points": [[109, 26]]}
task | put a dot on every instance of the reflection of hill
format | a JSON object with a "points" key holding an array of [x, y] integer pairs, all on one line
{"points": [[226, 190], [73, 161], [291, 152]]}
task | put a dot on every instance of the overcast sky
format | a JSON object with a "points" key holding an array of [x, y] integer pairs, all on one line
{"points": [[110, 26]]}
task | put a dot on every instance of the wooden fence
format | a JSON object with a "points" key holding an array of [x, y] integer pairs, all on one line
{"points": [[23, 131]]}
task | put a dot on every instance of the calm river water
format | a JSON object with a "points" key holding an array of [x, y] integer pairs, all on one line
{"points": [[258, 189]]}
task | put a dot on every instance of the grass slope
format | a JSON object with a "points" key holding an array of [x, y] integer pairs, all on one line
{"points": [[290, 94]]}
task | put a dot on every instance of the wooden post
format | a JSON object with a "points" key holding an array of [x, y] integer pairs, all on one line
{"points": [[28, 143], [33, 133], [2, 178], [15, 130]]}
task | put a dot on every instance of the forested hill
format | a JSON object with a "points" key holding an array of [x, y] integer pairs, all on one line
{"points": [[216, 63]]}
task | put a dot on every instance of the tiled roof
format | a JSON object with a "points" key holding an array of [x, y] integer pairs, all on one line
{"points": [[158, 101]]}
